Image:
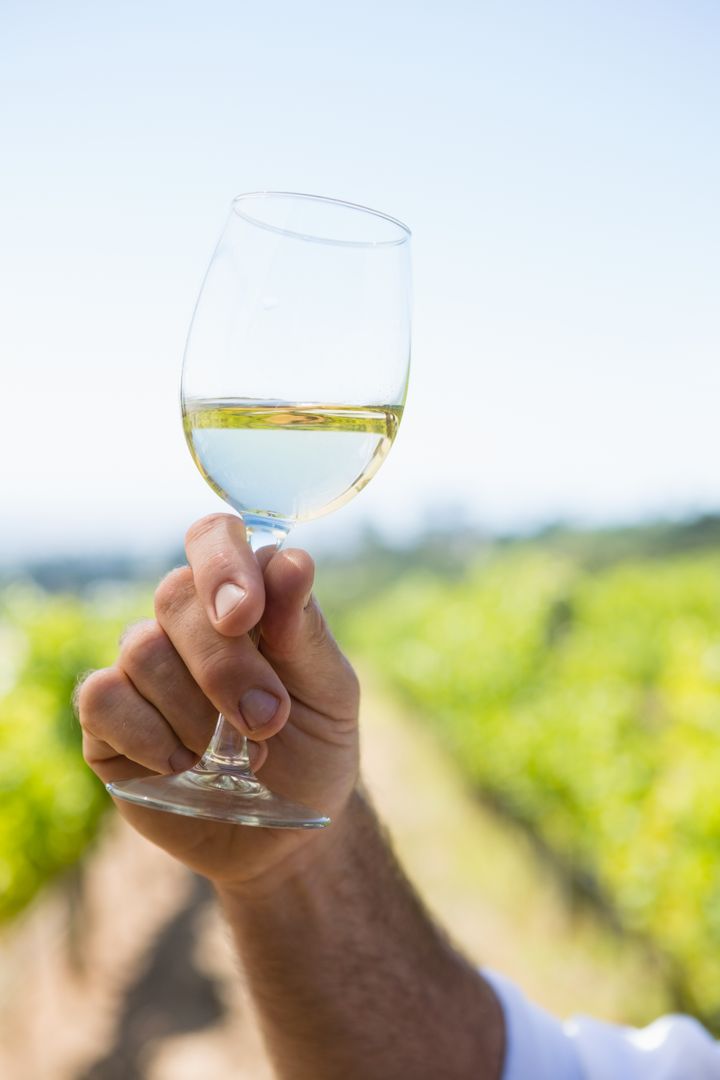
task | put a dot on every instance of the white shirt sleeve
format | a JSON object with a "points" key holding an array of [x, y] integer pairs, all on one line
{"points": [[539, 1047]]}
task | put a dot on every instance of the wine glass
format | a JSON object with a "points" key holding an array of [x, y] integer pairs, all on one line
{"points": [[293, 386]]}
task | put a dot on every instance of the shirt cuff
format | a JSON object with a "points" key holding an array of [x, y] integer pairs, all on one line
{"points": [[535, 1044]]}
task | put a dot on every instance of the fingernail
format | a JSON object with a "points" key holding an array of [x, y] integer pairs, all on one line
{"points": [[258, 708], [182, 759], [228, 597]]}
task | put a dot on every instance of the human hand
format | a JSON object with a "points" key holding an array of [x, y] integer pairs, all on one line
{"points": [[295, 697]]}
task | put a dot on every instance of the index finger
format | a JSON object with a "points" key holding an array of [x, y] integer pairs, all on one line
{"points": [[227, 578]]}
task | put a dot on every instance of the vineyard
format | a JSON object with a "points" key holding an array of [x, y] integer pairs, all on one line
{"points": [[581, 697], [586, 705]]}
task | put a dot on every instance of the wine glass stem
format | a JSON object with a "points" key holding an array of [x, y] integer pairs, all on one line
{"points": [[227, 751]]}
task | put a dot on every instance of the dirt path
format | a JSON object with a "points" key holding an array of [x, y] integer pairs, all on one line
{"points": [[130, 977]]}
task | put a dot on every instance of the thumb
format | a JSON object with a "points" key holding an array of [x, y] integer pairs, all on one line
{"points": [[297, 642]]}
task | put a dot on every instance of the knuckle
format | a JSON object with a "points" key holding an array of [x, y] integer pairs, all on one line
{"points": [[145, 647], [173, 591], [96, 693], [90, 750], [77, 689], [130, 629], [216, 671]]}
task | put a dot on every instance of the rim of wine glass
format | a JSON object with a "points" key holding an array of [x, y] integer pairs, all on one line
{"points": [[403, 238]]}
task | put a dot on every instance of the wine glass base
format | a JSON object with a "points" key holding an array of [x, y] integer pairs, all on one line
{"points": [[217, 796]]}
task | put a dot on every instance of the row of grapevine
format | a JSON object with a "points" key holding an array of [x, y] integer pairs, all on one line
{"points": [[587, 705], [51, 802]]}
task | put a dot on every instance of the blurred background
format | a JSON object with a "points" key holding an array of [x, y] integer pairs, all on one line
{"points": [[531, 584]]}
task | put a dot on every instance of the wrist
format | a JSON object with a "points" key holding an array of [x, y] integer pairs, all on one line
{"points": [[309, 866], [346, 967]]}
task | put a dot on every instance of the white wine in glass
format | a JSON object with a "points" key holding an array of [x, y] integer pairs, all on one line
{"points": [[288, 462], [294, 382]]}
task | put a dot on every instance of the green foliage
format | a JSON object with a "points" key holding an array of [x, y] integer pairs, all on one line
{"points": [[586, 703], [576, 679], [51, 803]]}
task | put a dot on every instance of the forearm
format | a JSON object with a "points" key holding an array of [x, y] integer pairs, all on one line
{"points": [[352, 978]]}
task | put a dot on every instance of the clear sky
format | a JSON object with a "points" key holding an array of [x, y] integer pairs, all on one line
{"points": [[558, 163]]}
